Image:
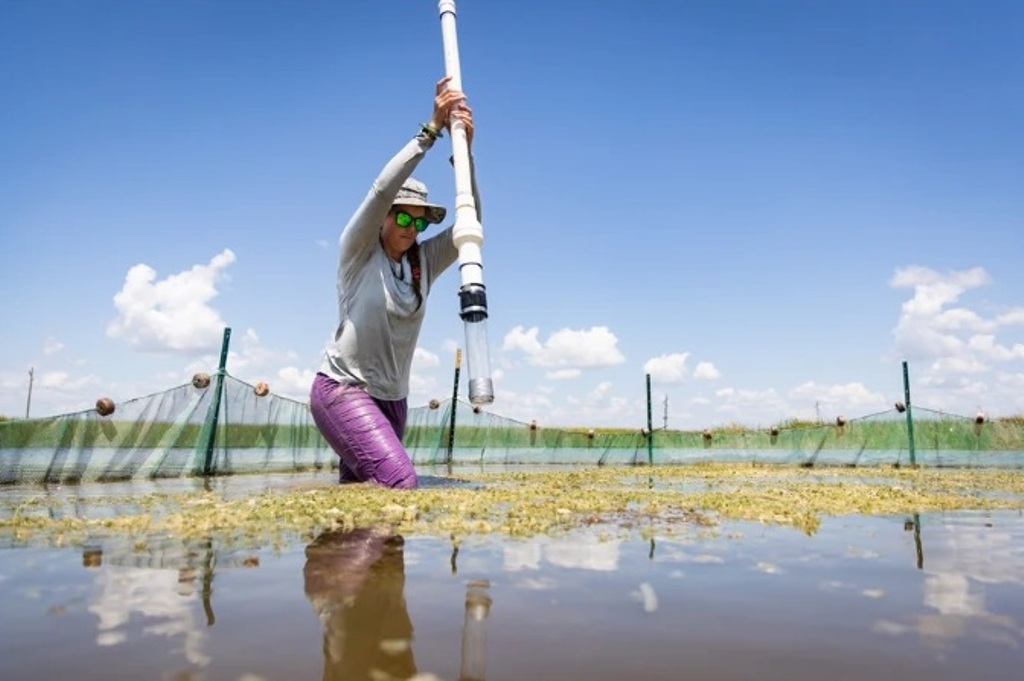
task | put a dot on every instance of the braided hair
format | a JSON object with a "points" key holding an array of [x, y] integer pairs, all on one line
{"points": [[414, 265]]}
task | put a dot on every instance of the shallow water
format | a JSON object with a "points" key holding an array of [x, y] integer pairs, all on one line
{"points": [[936, 597]]}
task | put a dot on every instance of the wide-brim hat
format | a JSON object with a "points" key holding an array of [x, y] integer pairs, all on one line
{"points": [[414, 193]]}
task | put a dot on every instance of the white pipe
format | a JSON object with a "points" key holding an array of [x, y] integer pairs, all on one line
{"points": [[467, 235]]}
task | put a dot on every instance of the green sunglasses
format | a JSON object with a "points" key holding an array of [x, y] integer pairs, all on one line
{"points": [[403, 219]]}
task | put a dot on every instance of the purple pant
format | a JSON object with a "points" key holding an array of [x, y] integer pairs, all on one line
{"points": [[366, 433]]}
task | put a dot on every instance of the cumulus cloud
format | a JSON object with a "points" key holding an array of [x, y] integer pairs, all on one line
{"points": [[961, 355], [424, 359], [706, 371], [53, 392], [524, 406], [848, 398], [423, 381], [172, 314], [63, 381], [248, 359], [601, 404], [294, 382], [252, 355], [450, 346], [668, 368], [932, 327], [671, 369], [748, 405], [566, 348]]}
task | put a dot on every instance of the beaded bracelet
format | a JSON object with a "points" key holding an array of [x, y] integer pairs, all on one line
{"points": [[431, 130]]}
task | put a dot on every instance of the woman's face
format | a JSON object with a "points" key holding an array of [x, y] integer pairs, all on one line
{"points": [[398, 240]]}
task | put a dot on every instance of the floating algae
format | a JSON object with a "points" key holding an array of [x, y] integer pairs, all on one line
{"points": [[663, 500]]}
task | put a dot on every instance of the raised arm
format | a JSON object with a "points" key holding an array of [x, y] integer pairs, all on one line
{"points": [[360, 234], [359, 237]]}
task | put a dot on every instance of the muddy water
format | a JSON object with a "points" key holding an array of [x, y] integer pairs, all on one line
{"points": [[936, 597]]}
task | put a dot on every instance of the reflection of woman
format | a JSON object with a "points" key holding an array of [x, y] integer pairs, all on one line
{"points": [[356, 583]]}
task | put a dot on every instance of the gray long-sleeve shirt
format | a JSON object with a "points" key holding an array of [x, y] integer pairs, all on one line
{"points": [[379, 314]]}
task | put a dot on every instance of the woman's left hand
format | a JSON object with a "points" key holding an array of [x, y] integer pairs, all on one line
{"points": [[464, 114]]}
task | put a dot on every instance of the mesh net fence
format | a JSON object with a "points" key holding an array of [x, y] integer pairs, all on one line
{"points": [[189, 430]]}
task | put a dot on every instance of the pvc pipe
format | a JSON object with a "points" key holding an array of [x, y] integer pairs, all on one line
{"points": [[467, 235]]}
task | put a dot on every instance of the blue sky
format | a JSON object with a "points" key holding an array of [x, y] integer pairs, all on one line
{"points": [[766, 205]]}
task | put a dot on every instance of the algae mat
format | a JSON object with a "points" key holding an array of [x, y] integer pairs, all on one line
{"points": [[664, 500]]}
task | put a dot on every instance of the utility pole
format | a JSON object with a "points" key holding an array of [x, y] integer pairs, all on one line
{"points": [[665, 416], [28, 404]]}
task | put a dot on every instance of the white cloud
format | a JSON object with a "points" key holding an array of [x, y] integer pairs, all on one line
{"points": [[53, 392], [173, 314], [450, 346], [847, 399], [1014, 382], [668, 368], [294, 383], [959, 365], [744, 405], [933, 290], [986, 346], [63, 382], [252, 356], [422, 389], [522, 339], [13, 381], [424, 384], [424, 359], [706, 371], [562, 374], [602, 404], [248, 359], [928, 329], [960, 355], [566, 348], [524, 406]]}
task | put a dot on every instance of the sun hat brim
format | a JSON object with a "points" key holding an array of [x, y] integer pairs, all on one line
{"points": [[414, 193]]}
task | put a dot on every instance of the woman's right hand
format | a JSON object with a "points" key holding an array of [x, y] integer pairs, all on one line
{"points": [[445, 99]]}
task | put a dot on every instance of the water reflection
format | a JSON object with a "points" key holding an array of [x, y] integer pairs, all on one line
{"points": [[968, 557], [355, 581], [937, 596], [160, 585], [585, 552]]}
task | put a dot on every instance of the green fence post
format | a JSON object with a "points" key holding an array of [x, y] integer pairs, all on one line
{"points": [[208, 436], [910, 419], [650, 431]]}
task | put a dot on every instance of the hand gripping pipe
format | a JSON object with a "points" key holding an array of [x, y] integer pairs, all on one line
{"points": [[467, 235]]}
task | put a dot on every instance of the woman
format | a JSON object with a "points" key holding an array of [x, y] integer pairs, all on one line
{"points": [[358, 398]]}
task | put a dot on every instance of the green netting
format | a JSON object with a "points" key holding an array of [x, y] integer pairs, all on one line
{"points": [[173, 434]]}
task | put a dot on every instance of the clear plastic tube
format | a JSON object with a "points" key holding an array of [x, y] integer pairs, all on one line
{"points": [[478, 369]]}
